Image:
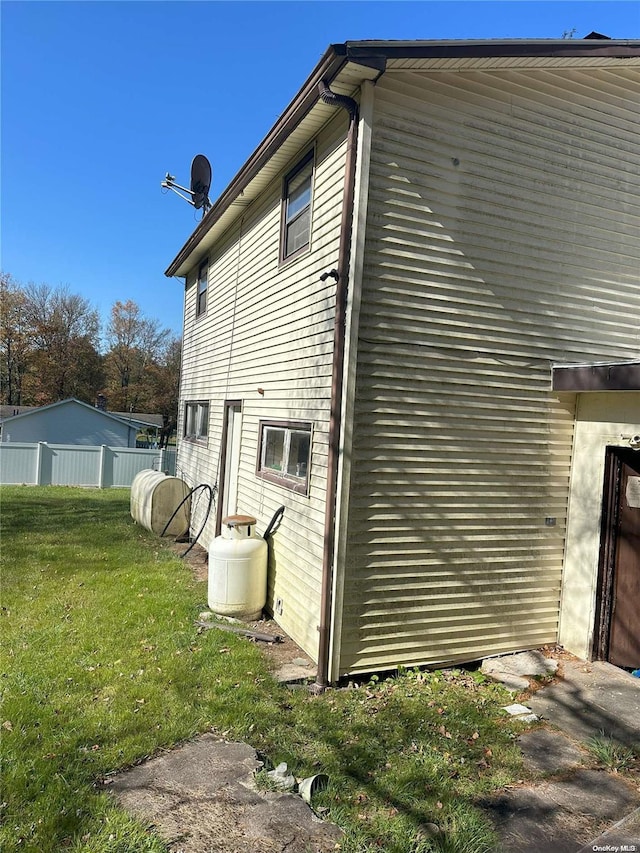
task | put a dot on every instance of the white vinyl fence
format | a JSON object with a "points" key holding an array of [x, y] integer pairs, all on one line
{"points": [[45, 464]]}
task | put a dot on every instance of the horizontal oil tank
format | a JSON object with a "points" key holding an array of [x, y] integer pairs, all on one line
{"points": [[238, 570], [155, 497]]}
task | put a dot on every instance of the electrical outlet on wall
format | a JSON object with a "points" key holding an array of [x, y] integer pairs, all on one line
{"points": [[278, 608]]}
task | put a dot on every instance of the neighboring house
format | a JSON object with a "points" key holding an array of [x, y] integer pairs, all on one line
{"points": [[150, 425], [10, 411], [74, 422], [143, 419], [403, 317]]}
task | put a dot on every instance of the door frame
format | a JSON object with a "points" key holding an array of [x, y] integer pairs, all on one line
{"points": [[226, 447], [609, 527], [606, 562]]}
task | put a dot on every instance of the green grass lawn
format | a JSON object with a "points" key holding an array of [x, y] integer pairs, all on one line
{"points": [[102, 665]]}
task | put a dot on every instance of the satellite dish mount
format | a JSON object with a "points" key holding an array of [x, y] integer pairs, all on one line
{"points": [[198, 194]]}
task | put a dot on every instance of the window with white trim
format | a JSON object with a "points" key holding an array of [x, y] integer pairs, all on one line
{"points": [[284, 454], [202, 285], [196, 420], [296, 209]]}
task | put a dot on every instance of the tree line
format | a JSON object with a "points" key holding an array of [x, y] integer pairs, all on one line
{"points": [[51, 348]]}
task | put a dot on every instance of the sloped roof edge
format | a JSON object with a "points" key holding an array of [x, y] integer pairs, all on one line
{"points": [[142, 418], [326, 69], [132, 421], [374, 54], [453, 48]]}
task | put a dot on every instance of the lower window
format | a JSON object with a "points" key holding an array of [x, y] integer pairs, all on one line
{"points": [[196, 420], [284, 454]]}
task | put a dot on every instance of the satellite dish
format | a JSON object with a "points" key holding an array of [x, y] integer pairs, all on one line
{"points": [[200, 181]]}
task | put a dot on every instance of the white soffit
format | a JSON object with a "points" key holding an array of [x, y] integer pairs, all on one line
{"points": [[500, 63], [345, 83]]}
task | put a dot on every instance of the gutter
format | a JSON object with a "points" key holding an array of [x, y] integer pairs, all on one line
{"points": [[375, 54], [492, 48], [344, 253]]}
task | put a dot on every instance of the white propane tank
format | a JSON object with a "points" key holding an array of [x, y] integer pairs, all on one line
{"points": [[154, 499], [238, 570]]}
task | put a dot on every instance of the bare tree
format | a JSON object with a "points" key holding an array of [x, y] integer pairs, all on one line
{"points": [[65, 332], [135, 345], [49, 344], [165, 388], [49, 351]]}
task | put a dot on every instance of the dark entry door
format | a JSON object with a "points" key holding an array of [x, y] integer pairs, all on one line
{"points": [[619, 640]]}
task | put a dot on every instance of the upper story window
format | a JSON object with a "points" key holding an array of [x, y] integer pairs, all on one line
{"points": [[296, 209], [284, 454], [196, 420], [201, 295]]}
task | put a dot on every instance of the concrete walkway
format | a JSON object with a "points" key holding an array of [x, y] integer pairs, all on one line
{"points": [[572, 808], [591, 699], [202, 798]]}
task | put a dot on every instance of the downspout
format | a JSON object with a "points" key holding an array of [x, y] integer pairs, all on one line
{"points": [[342, 282]]}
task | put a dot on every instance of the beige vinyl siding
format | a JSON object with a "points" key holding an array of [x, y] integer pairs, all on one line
{"points": [[502, 235], [271, 327]]}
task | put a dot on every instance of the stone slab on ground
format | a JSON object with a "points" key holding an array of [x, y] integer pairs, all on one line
{"points": [[521, 713], [294, 671], [560, 816], [591, 699], [549, 752], [565, 814], [512, 670], [202, 798]]}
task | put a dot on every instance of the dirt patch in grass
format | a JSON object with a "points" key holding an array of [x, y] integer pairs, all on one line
{"points": [[203, 797], [282, 652], [196, 557]]}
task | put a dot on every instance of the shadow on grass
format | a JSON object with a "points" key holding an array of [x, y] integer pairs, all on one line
{"points": [[26, 508], [397, 764], [145, 679]]}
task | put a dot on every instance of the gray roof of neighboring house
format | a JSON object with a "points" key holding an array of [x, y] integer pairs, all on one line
{"points": [[12, 411], [139, 419]]}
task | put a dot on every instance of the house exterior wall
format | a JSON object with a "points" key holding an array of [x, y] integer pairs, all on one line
{"points": [[602, 420], [69, 423], [501, 237], [271, 326]]}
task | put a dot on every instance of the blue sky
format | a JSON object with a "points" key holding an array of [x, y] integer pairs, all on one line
{"points": [[101, 99]]}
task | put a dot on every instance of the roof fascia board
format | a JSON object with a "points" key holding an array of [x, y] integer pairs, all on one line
{"points": [[135, 421], [374, 55], [358, 51], [329, 65]]}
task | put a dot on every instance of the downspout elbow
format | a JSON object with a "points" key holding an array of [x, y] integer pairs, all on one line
{"points": [[335, 100]]}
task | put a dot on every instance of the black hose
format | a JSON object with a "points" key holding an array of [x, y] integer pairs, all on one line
{"points": [[211, 491], [275, 522]]}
